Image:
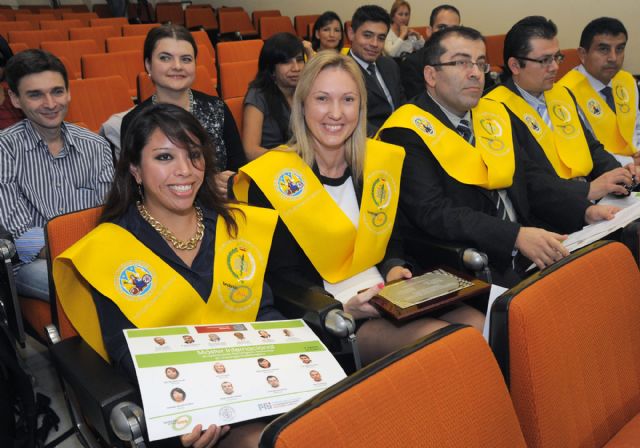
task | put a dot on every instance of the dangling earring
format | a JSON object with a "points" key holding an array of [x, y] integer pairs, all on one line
{"points": [[140, 193]]}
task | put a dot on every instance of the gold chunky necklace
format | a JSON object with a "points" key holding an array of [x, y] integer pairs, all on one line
{"points": [[168, 235]]}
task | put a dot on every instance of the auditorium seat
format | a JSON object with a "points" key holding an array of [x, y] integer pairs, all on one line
{"points": [[64, 25], [102, 10], [17, 47], [208, 61], [273, 25], [128, 43], [140, 29], [257, 15], [7, 26], [195, 17], [34, 37], [72, 50], [571, 60], [235, 23], [34, 19], [170, 12], [235, 105], [202, 38], [126, 64], [443, 391], [568, 342], [84, 16], [235, 78], [495, 46], [302, 24], [100, 34], [236, 51]]}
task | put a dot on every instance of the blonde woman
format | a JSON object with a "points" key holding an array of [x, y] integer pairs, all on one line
{"points": [[336, 193]]}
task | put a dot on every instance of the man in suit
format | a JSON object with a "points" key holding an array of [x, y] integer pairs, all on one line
{"points": [[369, 27], [465, 180], [442, 16], [607, 95], [545, 117]]}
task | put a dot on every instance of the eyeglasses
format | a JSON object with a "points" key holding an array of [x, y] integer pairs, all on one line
{"points": [[545, 61], [465, 65]]}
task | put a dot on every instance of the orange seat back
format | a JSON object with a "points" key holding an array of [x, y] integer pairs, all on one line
{"points": [[64, 25], [170, 12], [206, 60], [445, 390], [235, 78], [9, 13], [235, 21], [85, 17], [126, 64], [34, 19], [241, 50], [116, 22], [100, 34], [61, 233], [7, 26], [204, 17], [273, 25], [236, 107], [302, 24], [202, 38], [128, 43], [568, 341], [495, 46], [17, 47], [35, 37], [257, 15], [138, 30], [72, 50], [571, 60]]}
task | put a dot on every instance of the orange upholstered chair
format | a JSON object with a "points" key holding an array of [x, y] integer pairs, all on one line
{"points": [[34, 37], [100, 34], [94, 100], [200, 16], [34, 19], [235, 78], [64, 25], [235, 105], [110, 21], [302, 24], [84, 16], [257, 15], [124, 63], [568, 342], [7, 26], [238, 22], [202, 38], [495, 45], [17, 47], [170, 12], [72, 51], [236, 51], [139, 29], [571, 60], [273, 25], [208, 61], [443, 391], [128, 43]]}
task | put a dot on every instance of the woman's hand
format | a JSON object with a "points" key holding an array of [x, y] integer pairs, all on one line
{"points": [[206, 439], [359, 307], [404, 31], [222, 181], [398, 273]]}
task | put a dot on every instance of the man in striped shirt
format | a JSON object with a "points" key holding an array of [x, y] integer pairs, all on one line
{"points": [[47, 167]]}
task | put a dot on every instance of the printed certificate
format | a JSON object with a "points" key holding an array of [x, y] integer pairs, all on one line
{"points": [[224, 374]]}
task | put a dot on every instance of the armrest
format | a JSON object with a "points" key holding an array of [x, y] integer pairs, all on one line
{"points": [[429, 251], [96, 386], [308, 304]]}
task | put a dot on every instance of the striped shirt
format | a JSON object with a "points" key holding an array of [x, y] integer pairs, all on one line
{"points": [[36, 186]]}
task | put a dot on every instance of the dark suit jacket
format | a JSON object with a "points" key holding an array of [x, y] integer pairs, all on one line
{"points": [[378, 108], [439, 206], [412, 72], [603, 161]]}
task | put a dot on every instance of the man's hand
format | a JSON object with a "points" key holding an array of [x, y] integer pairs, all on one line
{"points": [[206, 439], [597, 213], [610, 182], [398, 273], [541, 246], [222, 180]]}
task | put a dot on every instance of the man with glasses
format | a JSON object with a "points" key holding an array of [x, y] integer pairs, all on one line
{"points": [[442, 16], [607, 95], [465, 180], [545, 117]]}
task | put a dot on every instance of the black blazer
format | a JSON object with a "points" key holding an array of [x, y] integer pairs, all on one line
{"points": [[603, 161], [439, 206], [378, 108]]}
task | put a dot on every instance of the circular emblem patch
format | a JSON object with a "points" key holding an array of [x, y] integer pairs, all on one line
{"points": [[622, 99], [181, 422], [241, 263], [593, 106], [532, 123], [424, 125], [290, 183], [381, 193], [561, 112], [240, 294], [135, 280]]}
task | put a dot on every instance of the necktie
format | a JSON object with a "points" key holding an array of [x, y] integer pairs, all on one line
{"points": [[544, 114], [464, 130], [501, 208], [608, 96], [371, 68]]}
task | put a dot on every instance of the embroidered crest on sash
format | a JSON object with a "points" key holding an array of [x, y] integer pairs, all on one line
{"points": [[563, 118], [622, 98], [290, 183], [135, 280], [235, 291], [593, 106], [381, 192], [424, 125], [491, 136]]}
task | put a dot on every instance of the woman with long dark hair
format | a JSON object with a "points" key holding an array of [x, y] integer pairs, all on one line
{"points": [[267, 105], [327, 32]]}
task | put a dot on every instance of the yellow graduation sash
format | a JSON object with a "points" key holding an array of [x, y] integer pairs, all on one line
{"points": [[149, 292], [326, 235], [614, 129], [490, 164], [565, 146]]}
